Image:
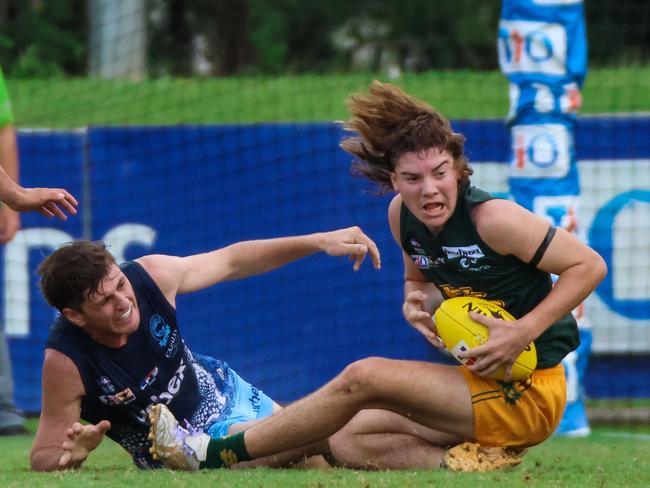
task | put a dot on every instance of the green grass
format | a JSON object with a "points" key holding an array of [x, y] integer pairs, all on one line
{"points": [[608, 458], [458, 94]]}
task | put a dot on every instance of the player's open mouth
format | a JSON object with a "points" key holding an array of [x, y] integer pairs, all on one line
{"points": [[433, 208], [126, 314]]}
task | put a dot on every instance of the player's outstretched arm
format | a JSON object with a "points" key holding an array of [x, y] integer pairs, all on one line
{"points": [[49, 202], [61, 441], [182, 275]]}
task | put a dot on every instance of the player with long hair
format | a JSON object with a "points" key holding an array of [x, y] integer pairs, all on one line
{"points": [[456, 240]]}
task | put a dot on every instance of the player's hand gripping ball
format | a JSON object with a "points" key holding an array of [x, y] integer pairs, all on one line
{"points": [[460, 333]]}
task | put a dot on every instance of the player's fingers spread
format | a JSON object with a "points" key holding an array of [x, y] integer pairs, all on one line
{"points": [[357, 263], [68, 200], [373, 250], [485, 365], [421, 316], [105, 425], [476, 352], [435, 340], [416, 296], [507, 373], [55, 210], [45, 212], [65, 458], [69, 204], [353, 250], [480, 318]]}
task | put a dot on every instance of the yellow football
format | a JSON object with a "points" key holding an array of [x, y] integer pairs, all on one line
{"points": [[460, 333]]}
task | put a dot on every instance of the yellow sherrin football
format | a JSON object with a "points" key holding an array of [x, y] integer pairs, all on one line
{"points": [[460, 333]]}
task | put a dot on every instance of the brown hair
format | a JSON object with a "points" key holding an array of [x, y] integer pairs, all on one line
{"points": [[388, 123], [73, 272]]}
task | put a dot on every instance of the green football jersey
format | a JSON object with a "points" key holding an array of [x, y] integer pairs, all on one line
{"points": [[459, 263]]}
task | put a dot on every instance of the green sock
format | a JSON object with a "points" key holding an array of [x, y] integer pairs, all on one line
{"points": [[225, 451]]}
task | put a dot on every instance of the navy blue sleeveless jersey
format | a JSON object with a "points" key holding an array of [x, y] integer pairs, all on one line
{"points": [[154, 366]]}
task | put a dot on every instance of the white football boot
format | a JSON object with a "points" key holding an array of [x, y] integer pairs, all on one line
{"points": [[172, 444]]}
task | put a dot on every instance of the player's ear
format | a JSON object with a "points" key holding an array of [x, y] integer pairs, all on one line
{"points": [[74, 316], [393, 180]]}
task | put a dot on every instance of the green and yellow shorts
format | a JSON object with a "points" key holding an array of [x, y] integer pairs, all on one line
{"points": [[517, 414]]}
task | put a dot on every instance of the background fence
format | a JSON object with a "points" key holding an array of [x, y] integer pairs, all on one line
{"points": [[188, 125], [182, 190]]}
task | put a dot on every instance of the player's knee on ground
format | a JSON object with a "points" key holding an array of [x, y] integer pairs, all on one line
{"points": [[344, 451]]}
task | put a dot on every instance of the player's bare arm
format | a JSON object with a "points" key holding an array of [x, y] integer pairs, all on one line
{"points": [[50, 202], [61, 441], [421, 297], [186, 274], [510, 229]]}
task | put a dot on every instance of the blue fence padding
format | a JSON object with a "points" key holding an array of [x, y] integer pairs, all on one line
{"points": [[489, 140], [204, 187], [627, 375]]}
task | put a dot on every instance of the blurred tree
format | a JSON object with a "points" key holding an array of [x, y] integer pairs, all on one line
{"points": [[170, 38], [40, 39], [618, 31], [420, 34], [209, 37]]}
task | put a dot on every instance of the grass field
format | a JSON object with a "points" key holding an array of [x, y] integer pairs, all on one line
{"points": [[458, 94], [610, 457]]}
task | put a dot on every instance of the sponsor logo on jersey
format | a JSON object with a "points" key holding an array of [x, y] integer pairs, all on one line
{"points": [[173, 385], [417, 247], [120, 398], [162, 332], [150, 378], [106, 385], [473, 251], [422, 262], [255, 399]]}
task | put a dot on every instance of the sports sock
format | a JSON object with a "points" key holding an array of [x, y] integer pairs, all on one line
{"points": [[225, 451]]}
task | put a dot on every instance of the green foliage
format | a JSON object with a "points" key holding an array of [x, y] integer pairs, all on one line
{"points": [[40, 38], [618, 32], [268, 37], [43, 39]]}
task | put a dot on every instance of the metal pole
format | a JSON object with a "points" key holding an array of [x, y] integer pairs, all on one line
{"points": [[117, 39]]}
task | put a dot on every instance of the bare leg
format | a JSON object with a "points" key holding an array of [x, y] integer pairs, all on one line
{"points": [[433, 395], [379, 439], [307, 457]]}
